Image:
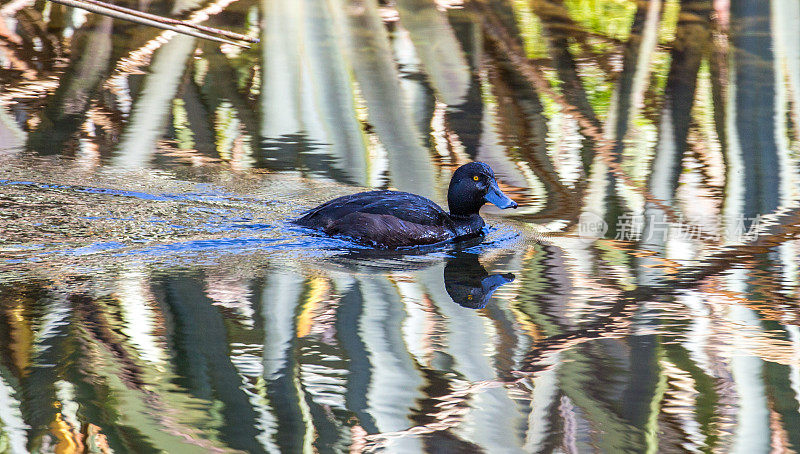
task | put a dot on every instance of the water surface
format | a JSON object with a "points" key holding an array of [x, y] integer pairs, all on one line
{"points": [[644, 297]]}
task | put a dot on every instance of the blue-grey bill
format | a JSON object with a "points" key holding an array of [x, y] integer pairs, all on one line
{"points": [[496, 196], [491, 283]]}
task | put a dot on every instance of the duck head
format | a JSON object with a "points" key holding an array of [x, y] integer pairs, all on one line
{"points": [[471, 187]]}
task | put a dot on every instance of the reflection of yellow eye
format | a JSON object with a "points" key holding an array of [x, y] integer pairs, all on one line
{"points": [[469, 297], [476, 178]]}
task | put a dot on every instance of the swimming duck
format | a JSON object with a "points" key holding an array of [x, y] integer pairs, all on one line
{"points": [[393, 219]]}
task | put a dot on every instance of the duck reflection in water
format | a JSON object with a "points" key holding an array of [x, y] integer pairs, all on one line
{"points": [[468, 283]]}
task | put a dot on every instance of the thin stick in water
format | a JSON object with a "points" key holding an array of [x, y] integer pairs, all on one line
{"points": [[183, 28], [169, 20]]}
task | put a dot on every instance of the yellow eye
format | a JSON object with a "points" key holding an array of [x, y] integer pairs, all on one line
{"points": [[476, 178]]}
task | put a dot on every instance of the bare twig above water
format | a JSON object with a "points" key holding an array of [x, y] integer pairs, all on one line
{"points": [[141, 56], [169, 20], [152, 20]]}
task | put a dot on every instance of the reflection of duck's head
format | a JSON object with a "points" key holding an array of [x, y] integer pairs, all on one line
{"points": [[468, 283]]}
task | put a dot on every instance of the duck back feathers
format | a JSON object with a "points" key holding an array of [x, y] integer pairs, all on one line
{"points": [[382, 218]]}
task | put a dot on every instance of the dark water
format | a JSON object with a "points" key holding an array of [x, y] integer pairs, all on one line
{"points": [[643, 298]]}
